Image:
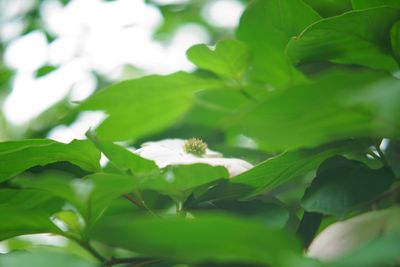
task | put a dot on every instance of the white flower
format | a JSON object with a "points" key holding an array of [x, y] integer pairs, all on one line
{"points": [[172, 152], [340, 238]]}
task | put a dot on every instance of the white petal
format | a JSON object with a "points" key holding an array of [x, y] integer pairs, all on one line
{"points": [[171, 144], [234, 166], [340, 238], [171, 152]]}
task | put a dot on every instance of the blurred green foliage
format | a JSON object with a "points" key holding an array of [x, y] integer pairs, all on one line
{"points": [[307, 91]]}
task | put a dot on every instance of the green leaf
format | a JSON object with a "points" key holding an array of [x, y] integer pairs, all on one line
{"points": [[125, 160], [279, 170], [90, 195], [94, 193], [70, 219], [180, 181], [146, 105], [266, 27], [15, 222], [211, 107], [218, 238], [330, 8], [38, 258], [229, 59], [5, 77], [361, 4], [44, 71], [18, 156], [339, 105], [395, 40], [356, 38], [341, 185], [27, 199], [106, 189], [270, 214]]}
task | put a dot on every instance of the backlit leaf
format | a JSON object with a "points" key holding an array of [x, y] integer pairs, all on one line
{"points": [[230, 58], [354, 38], [146, 105], [266, 27], [18, 156]]}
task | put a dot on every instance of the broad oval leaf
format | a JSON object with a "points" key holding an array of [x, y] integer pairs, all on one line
{"points": [[39, 258], [278, 170], [395, 40], [342, 185], [230, 58], [218, 238], [266, 27], [14, 198], [146, 105], [90, 195], [15, 222], [356, 37], [361, 4], [125, 160], [269, 213], [180, 181], [330, 8], [18, 156], [336, 106]]}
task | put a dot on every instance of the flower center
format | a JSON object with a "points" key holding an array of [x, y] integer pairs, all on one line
{"points": [[195, 146]]}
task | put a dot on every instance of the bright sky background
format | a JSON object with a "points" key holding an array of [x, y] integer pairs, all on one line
{"points": [[93, 35]]}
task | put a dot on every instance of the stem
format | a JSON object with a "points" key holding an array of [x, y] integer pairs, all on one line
{"points": [[86, 245], [89, 248], [180, 212], [140, 204]]}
